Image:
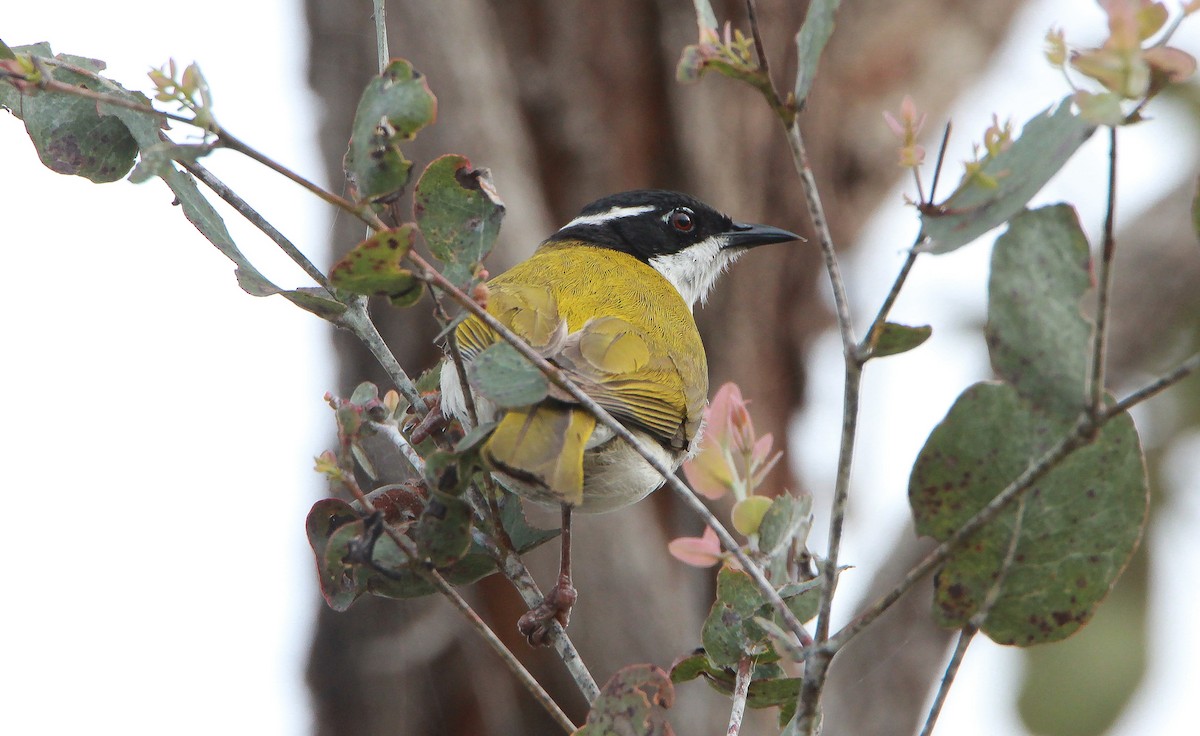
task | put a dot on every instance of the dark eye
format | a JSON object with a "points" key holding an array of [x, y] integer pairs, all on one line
{"points": [[681, 220]]}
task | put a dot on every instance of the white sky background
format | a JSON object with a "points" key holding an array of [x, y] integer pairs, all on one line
{"points": [[160, 424]]}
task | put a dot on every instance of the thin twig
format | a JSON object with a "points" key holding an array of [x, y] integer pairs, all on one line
{"points": [[1185, 369], [531, 684], [225, 139], [514, 569], [975, 623], [52, 85], [763, 64], [356, 320], [1104, 284], [941, 159], [435, 578], [740, 688], [850, 397], [817, 666], [560, 379], [393, 435], [244, 209], [379, 15], [965, 637], [762, 80], [863, 350], [816, 211]]}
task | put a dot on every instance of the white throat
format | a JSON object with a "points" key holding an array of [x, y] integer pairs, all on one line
{"points": [[694, 270]]}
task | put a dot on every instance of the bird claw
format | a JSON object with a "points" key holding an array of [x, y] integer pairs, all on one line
{"points": [[432, 423], [556, 606]]}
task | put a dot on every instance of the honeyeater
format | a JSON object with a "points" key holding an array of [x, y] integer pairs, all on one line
{"points": [[608, 299]]}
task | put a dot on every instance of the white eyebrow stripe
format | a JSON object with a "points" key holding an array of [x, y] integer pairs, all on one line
{"points": [[615, 213]]}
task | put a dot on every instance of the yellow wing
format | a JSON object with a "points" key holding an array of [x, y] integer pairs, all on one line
{"points": [[651, 375]]}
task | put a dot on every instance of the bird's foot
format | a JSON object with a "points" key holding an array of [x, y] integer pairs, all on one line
{"points": [[431, 424], [556, 606]]}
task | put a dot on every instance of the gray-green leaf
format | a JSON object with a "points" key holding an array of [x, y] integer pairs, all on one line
{"points": [[506, 378], [1007, 181], [1081, 521], [810, 42], [1038, 339]]}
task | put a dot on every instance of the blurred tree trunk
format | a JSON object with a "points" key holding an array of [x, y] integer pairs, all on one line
{"points": [[567, 101]]}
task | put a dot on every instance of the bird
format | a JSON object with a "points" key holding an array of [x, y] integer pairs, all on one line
{"points": [[608, 299]]}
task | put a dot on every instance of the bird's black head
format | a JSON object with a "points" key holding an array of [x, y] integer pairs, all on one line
{"points": [[687, 241]]}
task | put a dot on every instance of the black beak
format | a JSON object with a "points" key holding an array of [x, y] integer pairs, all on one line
{"points": [[748, 235]]}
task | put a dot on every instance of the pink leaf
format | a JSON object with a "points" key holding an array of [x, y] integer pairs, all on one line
{"points": [[762, 448], [1175, 64], [708, 473], [702, 551], [719, 415]]}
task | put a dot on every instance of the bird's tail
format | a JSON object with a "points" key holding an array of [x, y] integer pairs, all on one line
{"points": [[543, 446]]}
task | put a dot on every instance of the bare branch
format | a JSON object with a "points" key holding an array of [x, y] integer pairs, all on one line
{"points": [[975, 623], [379, 15], [1104, 285], [740, 689], [392, 434], [358, 321], [514, 569], [1185, 369], [244, 209], [817, 666]]}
